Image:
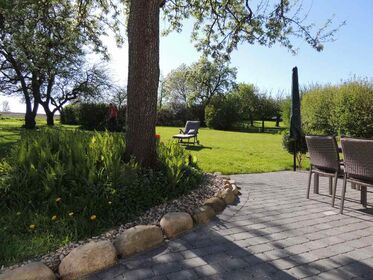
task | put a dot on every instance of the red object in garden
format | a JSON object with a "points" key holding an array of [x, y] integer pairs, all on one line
{"points": [[157, 136], [113, 111]]}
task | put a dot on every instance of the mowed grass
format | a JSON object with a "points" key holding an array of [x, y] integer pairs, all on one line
{"points": [[236, 152], [219, 151]]}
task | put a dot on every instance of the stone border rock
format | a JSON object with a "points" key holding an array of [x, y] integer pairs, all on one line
{"points": [[95, 256]]}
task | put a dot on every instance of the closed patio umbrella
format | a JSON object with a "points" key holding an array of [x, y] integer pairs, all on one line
{"points": [[295, 121]]}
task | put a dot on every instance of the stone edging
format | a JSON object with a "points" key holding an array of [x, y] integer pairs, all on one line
{"points": [[95, 256]]}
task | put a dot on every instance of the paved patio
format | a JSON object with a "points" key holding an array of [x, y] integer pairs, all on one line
{"points": [[273, 232]]}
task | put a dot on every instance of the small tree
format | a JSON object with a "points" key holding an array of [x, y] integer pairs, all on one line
{"points": [[209, 79], [247, 97], [300, 149], [177, 87], [266, 108]]}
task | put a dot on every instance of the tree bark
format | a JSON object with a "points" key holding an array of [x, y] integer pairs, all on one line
{"points": [[143, 77], [277, 121], [50, 117], [251, 118], [263, 125], [31, 113]]}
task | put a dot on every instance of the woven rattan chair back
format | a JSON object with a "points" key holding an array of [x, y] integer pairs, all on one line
{"points": [[323, 151], [358, 158]]}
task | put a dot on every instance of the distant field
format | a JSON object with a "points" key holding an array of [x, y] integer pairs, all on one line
{"points": [[223, 151]]}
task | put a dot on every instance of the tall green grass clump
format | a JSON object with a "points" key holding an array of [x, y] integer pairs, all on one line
{"points": [[58, 186]]}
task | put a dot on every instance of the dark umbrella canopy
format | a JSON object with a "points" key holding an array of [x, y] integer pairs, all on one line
{"points": [[295, 121]]}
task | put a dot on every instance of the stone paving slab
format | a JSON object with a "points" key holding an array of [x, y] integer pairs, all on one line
{"points": [[273, 232]]}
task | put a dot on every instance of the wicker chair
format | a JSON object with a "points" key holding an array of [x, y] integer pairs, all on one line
{"points": [[324, 156], [358, 158]]}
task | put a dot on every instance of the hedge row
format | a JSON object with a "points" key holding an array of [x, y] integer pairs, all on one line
{"points": [[92, 116], [346, 109]]}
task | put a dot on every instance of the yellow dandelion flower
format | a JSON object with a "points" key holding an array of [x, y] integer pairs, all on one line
{"points": [[32, 226], [58, 199], [54, 217], [93, 217], [71, 214], [18, 213]]}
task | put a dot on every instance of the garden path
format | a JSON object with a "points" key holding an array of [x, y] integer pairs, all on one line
{"points": [[273, 232]]}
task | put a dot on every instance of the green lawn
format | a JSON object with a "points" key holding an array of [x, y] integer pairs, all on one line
{"points": [[227, 152], [236, 152], [223, 151]]}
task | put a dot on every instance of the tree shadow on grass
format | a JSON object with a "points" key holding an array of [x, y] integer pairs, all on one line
{"points": [[196, 147]]}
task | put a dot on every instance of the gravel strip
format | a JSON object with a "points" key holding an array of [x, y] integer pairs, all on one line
{"points": [[186, 203]]}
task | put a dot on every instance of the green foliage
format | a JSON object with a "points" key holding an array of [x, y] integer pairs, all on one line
{"points": [[317, 107], [92, 116], [354, 109], [286, 111], [344, 109], [178, 115], [68, 185], [247, 97], [222, 112], [209, 79], [69, 115], [219, 27], [43, 47], [299, 147]]}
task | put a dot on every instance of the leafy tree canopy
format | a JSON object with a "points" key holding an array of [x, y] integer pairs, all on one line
{"points": [[223, 24], [44, 43]]}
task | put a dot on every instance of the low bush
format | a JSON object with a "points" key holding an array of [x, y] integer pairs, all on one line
{"points": [[92, 116], [299, 147], [70, 114], [58, 186]]}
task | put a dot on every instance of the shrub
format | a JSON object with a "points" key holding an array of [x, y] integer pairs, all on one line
{"points": [[69, 115], [72, 184], [317, 111], [167, 117], [178, 115], [299, 148], [286, 111], [345, 109], [354, 109], [92, 116], [222, 113]]}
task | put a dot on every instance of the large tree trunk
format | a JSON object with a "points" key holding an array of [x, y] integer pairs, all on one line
{"points": [[50, 117], [30, 115], [143, 77]]}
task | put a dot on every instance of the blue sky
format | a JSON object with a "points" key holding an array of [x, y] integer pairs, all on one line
{"points": [[270, 68]]}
